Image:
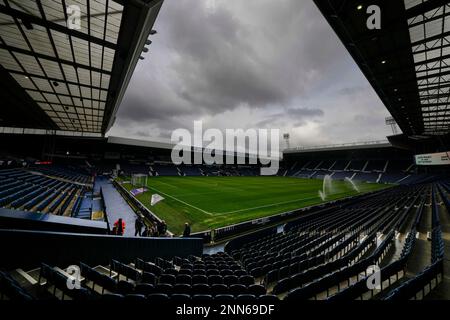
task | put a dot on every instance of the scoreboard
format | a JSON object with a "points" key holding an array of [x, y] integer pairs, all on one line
{"points": [[433, 159]]}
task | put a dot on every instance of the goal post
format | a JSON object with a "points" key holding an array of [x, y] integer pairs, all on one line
{"points": [[139, 180]]}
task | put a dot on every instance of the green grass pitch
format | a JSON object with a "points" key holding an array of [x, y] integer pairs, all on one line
{"points": [[213, 202]]}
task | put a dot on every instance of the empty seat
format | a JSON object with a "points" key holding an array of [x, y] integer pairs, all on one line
{"points": [[284, 272], [152, 268], [185, 271], [125, 287], [167, 278], [107, 283], [266, 269], [163, 288], [224, 297], [135, 298], [157, 298], [171, 271], [257, 272], [201, 289], [186, 266], [198, 279], [215, 279], [197, 272], [267, 298], [226, 272], [246, 280], [211, 272], [184, 279], [246, 298], [202, 298], [272, 276], [82, 294], [182, 288], [237, 289], [240, 272], [111, 297], [144, 288], [256, 289], [219, 289], [176, 297], [229, 280], [148, 277]]}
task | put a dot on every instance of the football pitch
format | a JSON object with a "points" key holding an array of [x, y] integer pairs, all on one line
{"points": [[213, 202]]}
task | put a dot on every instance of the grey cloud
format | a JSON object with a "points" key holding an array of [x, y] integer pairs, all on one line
{"points": [[304, 112], [350, 91], [299, 115], [264, 56]]}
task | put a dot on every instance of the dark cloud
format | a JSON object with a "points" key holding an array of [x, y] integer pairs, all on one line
{"points": [[247, 64], [299, 114], [352, 90], [304, 112]]}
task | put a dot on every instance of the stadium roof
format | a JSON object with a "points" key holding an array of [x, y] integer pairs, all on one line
{"points": [[156, 144], [343, 146], [57, 77], [407, 62]]}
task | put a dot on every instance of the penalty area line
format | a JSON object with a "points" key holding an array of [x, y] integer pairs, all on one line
{"points": [[181, 201], [265, 206]]}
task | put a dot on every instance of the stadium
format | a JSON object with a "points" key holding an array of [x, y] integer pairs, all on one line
{"points": [[90, 216]]}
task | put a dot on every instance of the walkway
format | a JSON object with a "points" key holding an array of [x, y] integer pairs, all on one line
{"points": [[115, 206]]}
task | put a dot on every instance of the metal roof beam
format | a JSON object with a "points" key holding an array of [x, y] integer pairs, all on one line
{"points": [[429, 39], [54, 79], [54, 26], [424, 7], [50, 58]]}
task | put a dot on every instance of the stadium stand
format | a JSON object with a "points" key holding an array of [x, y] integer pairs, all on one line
{"points": [[44, 190], [191, 171], [322, 255]]}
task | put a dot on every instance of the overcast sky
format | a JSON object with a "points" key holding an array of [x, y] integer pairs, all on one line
{"points": [[250, 64]]}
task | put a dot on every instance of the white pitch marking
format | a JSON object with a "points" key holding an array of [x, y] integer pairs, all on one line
{"points": [[266, 206], [181, 201], [221, 213], [229, 212]]}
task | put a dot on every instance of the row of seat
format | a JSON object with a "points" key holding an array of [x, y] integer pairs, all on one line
{"points": [[154, 274], [11, 290], [186, 298], [360, 287], [107, 284], [71, 174], [383, 212], [248, 255], [409, 289], [433, 274], [26, 191]]}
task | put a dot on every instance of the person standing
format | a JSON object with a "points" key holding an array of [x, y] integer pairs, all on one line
{"points": [[119, 227], [152, 231], [138, 227], [162, 228], [146, 232], [187, 230]]}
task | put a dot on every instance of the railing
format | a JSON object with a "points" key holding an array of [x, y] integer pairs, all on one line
{"points": [[136, 204], [67, 248], [16, 219]]}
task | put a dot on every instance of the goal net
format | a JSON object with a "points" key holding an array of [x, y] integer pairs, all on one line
{"points": [[139, 180]]}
